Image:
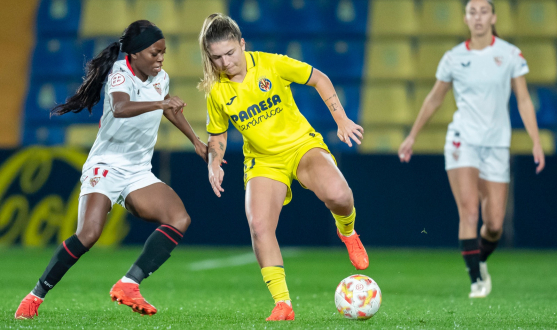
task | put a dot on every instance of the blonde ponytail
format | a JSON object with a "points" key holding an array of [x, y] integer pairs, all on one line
{"points": [[217, 27]]}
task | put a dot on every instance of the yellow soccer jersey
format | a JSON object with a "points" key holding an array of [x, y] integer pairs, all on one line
{"points": [[262, 107]]}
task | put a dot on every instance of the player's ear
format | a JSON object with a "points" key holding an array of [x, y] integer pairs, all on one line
{"points": [[134, 56], [243, 44], [494, 19]]}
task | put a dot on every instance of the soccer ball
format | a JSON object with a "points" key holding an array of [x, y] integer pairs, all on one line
{"points": [[358, 297]]}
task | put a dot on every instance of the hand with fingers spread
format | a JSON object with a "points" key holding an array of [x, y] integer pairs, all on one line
{"points": [[216, 175], [348, 130], [539, 157], [405, 150], [173, 105]]}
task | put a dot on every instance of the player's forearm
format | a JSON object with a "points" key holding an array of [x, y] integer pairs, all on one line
{"points": [[429, 107], [326, 90], [528, 115], [217, 148], [127, 109], [183, 125]]}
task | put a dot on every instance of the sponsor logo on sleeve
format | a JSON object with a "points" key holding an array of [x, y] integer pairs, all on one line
{"points": [[117, 79]]}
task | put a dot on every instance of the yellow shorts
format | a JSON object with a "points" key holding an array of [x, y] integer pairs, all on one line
{"points": [[282, 167]]}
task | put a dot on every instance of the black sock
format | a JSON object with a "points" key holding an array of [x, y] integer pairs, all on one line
{"points": [[470, 250], [65, 256], [155, 252], [486, 248]]}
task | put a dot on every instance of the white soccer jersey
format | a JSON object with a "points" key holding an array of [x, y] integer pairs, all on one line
{"points": [[128, 143], [482, 88]]}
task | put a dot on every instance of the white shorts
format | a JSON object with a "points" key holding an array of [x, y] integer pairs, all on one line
{"points": [[113, 183], [493, 162]]}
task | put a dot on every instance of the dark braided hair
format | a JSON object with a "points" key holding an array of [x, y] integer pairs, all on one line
{"points": [[96, 71]]}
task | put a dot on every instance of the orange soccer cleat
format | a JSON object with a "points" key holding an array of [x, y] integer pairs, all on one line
{"points": [[282, 312], [356, 251], [29, 307], [129, 295]]}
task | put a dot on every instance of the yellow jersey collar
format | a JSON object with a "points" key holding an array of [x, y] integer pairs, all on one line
{"points": [[250, 63]]}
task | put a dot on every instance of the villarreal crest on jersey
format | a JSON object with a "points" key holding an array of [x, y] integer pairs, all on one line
{"points": [[262, 107]]}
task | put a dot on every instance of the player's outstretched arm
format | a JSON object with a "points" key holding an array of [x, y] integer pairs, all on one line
{"points": [[431, 103], [528, 115], [217, 147], [124, 108], [347, 129], [178, 120]]}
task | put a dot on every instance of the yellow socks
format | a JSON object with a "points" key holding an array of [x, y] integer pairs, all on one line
{"points": [[345, 224], [275, 279]]}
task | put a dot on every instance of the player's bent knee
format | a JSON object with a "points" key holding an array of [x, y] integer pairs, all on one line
{"points": [[181, 222], [89, 237], [258, 228], [340, 198], [494, 230]]}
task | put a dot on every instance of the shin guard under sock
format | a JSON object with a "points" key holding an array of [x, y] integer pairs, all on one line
{"points": [[345, 224], [275, 279], [486, 248], [155, 252], [470, 250], [65, 256]]}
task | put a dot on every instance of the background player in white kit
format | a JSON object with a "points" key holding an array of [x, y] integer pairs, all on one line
{"points": [[482, 71], [118, 169]]}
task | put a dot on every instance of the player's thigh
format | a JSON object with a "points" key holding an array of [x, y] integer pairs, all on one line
{"points": [[318, 172], [464, 185], [157, 203], [264, 200], [493, 196], [91, 217]]}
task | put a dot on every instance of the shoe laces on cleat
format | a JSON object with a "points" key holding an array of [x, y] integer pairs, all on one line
{"points": [[353, 243]]}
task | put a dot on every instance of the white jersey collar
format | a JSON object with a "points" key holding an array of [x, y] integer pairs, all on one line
{"points": [[480, 51]]}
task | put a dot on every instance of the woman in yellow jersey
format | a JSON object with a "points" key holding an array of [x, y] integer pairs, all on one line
{"points": [[252, 89]]}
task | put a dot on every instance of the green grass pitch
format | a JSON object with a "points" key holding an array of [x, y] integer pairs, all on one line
{"points": [[222, 288]]}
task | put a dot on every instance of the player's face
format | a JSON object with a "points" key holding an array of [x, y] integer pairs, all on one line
{"points": [[149, 61], [479, 17], [228, 56]]}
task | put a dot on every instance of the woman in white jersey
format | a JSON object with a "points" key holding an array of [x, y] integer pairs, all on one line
{"points": [[482, 71], [118, 169]]}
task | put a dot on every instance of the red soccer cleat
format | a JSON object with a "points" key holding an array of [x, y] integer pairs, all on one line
{"points": [[356, 251], [282, 312], [29, 307], [128, 294]]}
